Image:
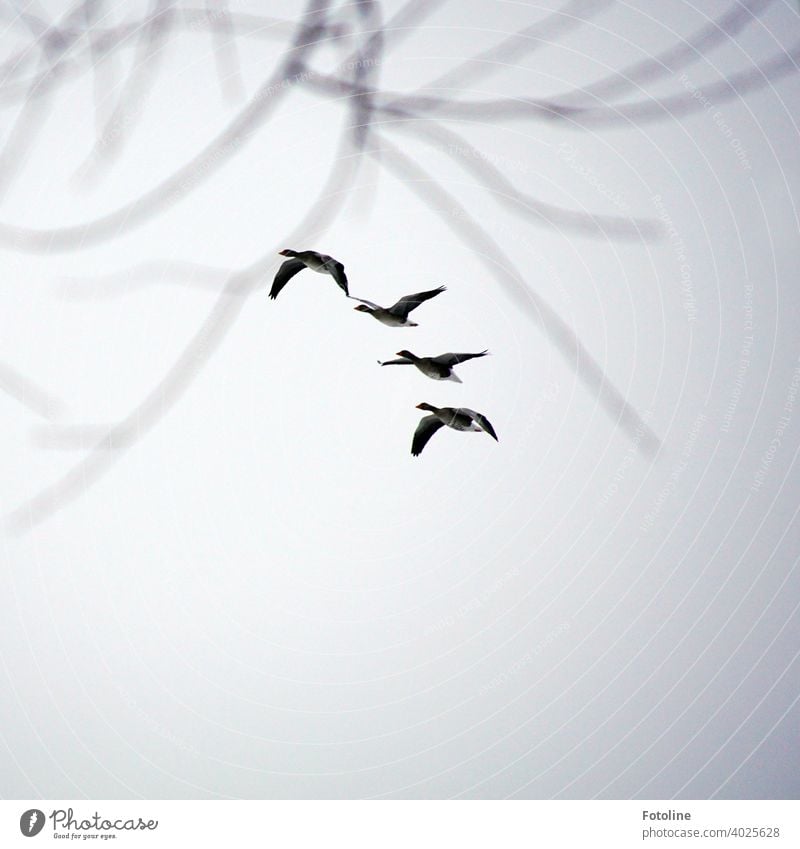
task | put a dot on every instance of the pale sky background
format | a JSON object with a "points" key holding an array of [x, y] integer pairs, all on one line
{"points": [[265, 595]]}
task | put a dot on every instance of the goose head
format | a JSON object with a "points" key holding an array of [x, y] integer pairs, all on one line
{"points": [[425, 406], [287, 252], [362, 308], [407, 354]]}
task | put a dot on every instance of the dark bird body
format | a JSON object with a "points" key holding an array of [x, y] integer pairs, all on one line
{"points": [[321, 263], [458, 418], [437, 368], [397, 315]]}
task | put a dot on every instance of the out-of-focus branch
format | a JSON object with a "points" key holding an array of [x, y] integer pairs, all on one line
{"points": [[523, 203], [27, 393], [476, 239], [107, 41], [183, 181], [225, 53], [468, 157], [29, 121], [104, 69], [227, 307], [66, 50], [520, 44], [627, 114], [683, 53], [153, 38], [189, 364], [188, 274]]}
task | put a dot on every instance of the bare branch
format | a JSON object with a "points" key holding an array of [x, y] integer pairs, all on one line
{"points": [[27, 393], [476, 239]]}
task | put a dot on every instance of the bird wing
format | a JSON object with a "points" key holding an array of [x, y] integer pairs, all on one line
{"points": [[400, 362], [482, 422], [454, 359], [336, 270], [404, 306], [362, 301], [285, 273], [426, 428]]}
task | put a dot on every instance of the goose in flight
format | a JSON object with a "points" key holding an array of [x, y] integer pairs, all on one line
{"points": [[438, 368], [299, 260], [397, 315], [458, 418]]}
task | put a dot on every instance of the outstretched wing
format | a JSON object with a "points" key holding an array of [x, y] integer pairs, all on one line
{"points": [[285, 273], [454, 359], [336, 270], [402, 361], [362, 301], [404, 306], [426, 428], [482, 422]]}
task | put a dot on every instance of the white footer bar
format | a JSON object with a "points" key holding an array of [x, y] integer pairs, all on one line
{"points": [[401, 824]]}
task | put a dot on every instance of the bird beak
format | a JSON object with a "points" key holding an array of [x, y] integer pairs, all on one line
{"points": [[284, 252]]}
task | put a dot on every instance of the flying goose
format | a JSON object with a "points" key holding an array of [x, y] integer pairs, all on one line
{"points": [[321, 263], [438, 368], [397, 315], [458, 418]]}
